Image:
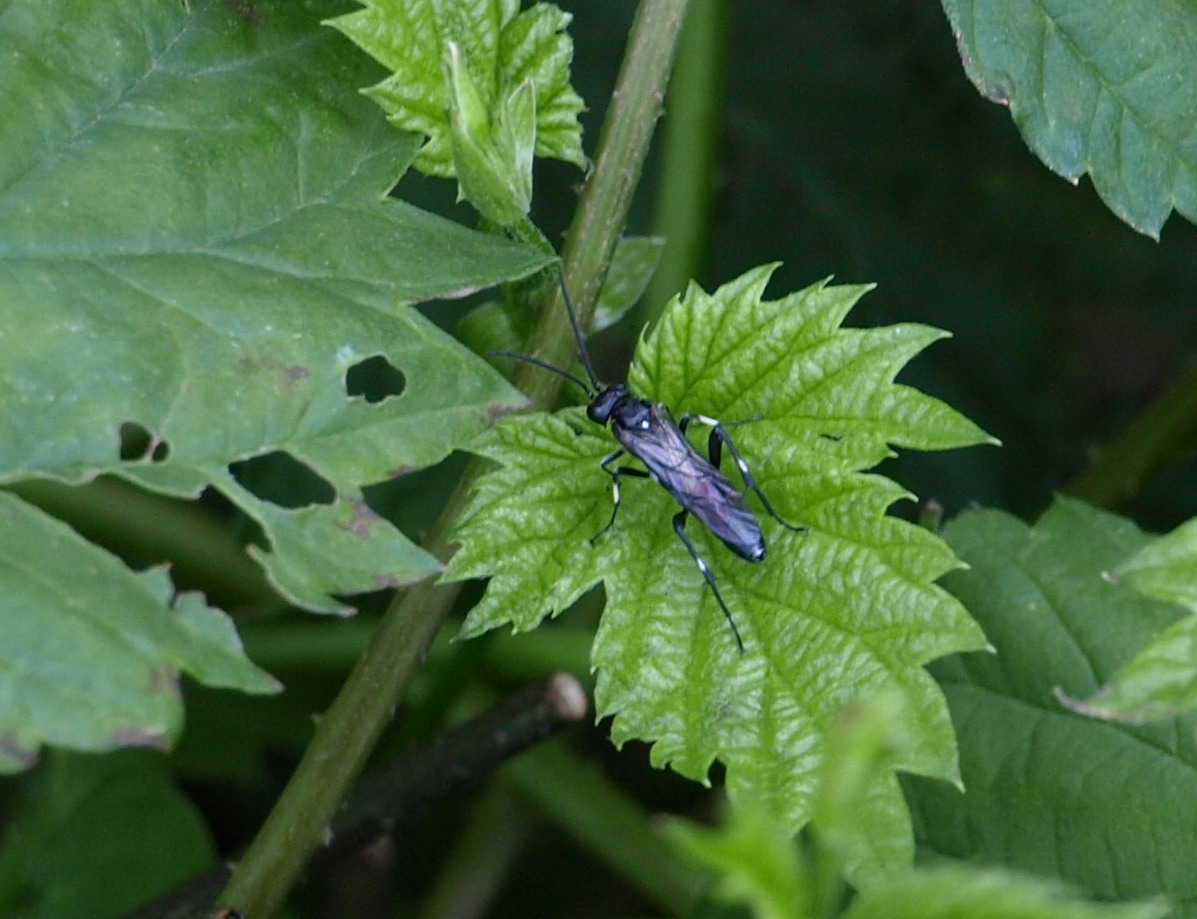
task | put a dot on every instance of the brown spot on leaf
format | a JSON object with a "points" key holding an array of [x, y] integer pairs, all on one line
{"points": [[289, 375], [385, 582], [138, 736], [164, 681], [10, 747], [245, 10], [363, 520], [294, 375]]}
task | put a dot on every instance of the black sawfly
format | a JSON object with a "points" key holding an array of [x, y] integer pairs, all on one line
{"points": [[647, 431]]}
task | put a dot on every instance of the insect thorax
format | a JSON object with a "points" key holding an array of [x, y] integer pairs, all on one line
{"points": [[608, 401]]}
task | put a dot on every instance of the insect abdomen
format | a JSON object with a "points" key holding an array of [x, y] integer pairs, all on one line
{"points": [[737, 528]]}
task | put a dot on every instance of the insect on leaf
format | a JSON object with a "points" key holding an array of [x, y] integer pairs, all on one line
{"points": [[849, 606]]}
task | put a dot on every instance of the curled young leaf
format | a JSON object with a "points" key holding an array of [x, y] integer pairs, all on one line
{"points": [[483, 81]]}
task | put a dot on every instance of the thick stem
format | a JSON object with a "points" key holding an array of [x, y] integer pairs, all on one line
{"points": [[689, 153], [351, 727], [401, 791], [602, 211], [609, 824]]}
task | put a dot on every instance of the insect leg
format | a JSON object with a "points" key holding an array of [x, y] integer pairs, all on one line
{"points": [[715, 442], [679, 527], [615, 474]]}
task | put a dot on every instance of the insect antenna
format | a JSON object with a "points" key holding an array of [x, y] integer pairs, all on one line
{"points": [[595, 384], [573, 321], [544, 365]]}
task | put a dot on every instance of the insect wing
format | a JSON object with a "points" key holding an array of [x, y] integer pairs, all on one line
{"points": [[721, 508], [695, 483]]}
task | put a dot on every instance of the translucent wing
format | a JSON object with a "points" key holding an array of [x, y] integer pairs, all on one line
{"points": [[695, 483]]}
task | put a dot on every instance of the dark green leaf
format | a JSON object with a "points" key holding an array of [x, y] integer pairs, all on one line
{"points": [[501, 326], [1050, 791], [196, 246], [1104, 87], [88, 814], [92, 651], [219, 317], [632, 267]]}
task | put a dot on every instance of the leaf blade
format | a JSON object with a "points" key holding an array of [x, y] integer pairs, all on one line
{"points": [[852, 596], [99, 671], [1034, 798], [1102, 88]]}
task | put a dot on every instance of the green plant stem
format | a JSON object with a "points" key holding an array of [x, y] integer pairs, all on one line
{"points": [[350, 728], [494, 837], [1164, 428], [689, 153], [602, 819], [344, 737], [602, 213]]}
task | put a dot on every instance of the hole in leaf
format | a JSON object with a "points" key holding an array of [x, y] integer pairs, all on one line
{"points": [[138, 444], [374, 379], [281, 479]]}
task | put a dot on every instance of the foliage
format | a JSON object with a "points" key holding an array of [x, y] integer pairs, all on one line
{"points": [[501, 74], [223, 412], [756, 862], [1106, 88], [220, 322], [819, 407], [1045, 786]]}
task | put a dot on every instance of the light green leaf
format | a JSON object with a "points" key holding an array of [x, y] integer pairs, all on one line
{"points": [[1161, 680], [92, 651], [860, 752], [492, 144], [754, 859], [759, 865], [849, 607], [501, 48], [1047, 790], [957, 892], [1104, 87], [1166, 568]]}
